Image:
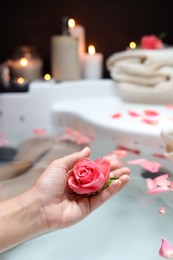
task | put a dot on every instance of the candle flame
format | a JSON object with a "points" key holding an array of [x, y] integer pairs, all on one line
{"points": [[91, 50], [20, 80], [47, 76], [71, 23], [23, 62], [132, 45]]}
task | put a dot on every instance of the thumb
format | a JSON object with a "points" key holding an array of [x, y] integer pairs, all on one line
{"points": [[69, 161]]}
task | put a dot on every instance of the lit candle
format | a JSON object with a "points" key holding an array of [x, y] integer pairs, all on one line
{"points": [[78, 32], [47, 77], [93, 64], [20, 81], [131, 46], [27, 68]]}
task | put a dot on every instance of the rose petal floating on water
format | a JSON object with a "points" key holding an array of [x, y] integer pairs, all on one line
{"points": [[116, 115], [150, 121], [166, 249], [39, 132], [151, 184], [136, 161], [162, 211], [169, 106], [133, 113], [135, 151], [158, 155], [150, 112], [159, 184], [147, 165], [119, 153], [75, 136], [171, 186], [158, 190], [162, 180], [151, 166], [83, 140]]}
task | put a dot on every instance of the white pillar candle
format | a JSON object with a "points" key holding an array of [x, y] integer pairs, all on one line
{"points": [[65, 64], [78, 32], [93, 64]]}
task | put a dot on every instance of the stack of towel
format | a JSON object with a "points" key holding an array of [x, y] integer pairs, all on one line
{"points": [[143, 75]]}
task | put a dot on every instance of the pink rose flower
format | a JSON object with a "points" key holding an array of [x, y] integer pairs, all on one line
{"points": [[88, 177], [151, 42]]}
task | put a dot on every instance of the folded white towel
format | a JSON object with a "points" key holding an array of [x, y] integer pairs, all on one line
{"points": [[160, 94], [142, 67]]}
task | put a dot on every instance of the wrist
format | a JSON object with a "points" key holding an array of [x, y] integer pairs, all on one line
{"points": [[19, 220], [33, 199], [31, 211]]}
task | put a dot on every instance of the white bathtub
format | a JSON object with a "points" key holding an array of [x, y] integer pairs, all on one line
{"points": [[129, 225]]}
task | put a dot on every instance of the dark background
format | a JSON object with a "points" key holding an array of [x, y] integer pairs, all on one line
{"points": [[109, 25]]}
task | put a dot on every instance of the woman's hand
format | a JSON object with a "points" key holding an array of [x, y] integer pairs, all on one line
{"points": [[58, 207], [49, 204]]}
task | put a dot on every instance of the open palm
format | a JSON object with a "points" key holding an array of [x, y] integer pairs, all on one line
{"points": [[59, 207]]}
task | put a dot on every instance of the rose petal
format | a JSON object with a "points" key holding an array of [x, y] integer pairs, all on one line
{"points": [[104, 166], [163, 183], [158, 190], [157, 155], [83, 140], [169, 106], [118, 153], [133, 113], [166, 249], [151, 184], [39, 131], [150, 113], [151, 166], [162, 180], [137, 161], [171, 186], [72, 132], [162, 211], [162, 177], [150, 122], [75, 136], [116, 115], [86, 188], [128, 149]]}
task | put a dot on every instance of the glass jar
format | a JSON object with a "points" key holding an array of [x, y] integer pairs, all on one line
{"points": [[26, 65]]}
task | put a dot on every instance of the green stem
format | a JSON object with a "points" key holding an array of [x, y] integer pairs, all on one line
{"points": [[109, 182]]}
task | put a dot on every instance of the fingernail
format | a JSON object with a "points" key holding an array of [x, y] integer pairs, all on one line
{"points": [[86, 148]]}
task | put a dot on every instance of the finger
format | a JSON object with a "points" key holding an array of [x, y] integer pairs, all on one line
{"points": [[120, 172], [124, 179], [114, 162], [104, 195], [69, 161], [110, 191], [115, 165]]}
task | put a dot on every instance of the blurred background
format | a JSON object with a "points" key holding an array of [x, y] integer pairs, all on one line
{"points": [[109, 25]]}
